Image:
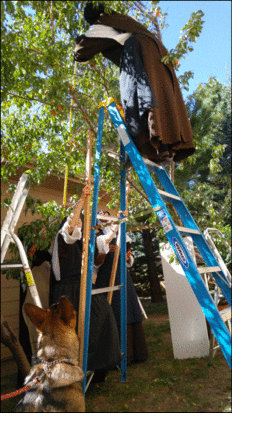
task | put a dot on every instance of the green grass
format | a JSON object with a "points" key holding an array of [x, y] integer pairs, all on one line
{"points": [[162, 383], [158, 308]]}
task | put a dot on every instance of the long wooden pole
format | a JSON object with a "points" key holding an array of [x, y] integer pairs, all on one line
{"points": [[85, 250], [114, 268]]}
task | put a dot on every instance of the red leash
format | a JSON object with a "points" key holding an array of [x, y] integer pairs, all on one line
{"points": [[18, 392], [46, 368]]}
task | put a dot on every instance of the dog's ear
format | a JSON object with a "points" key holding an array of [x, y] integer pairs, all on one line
{"points": [[67, 312], [36, 314]]}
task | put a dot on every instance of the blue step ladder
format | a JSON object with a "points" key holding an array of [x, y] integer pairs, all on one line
{"points": [[174, 233], [122, 257]]}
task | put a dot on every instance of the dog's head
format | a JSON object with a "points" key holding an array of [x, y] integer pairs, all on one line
{"points": [[55, 325]]}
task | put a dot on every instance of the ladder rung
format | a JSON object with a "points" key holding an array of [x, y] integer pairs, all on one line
{"points": [[150, 164], [187, 230], [12, 266], [106, 289], [209, 269], [168, 195], [108, 218]]}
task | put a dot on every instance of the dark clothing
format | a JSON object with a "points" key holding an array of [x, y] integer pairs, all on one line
{"points": [[103, 278], [137, 97], [137, 347], [104, 350], [168, 125], [136, 342]]}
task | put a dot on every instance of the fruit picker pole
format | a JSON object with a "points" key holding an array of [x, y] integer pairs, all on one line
{"points": [[114, 267], [85, 250]]}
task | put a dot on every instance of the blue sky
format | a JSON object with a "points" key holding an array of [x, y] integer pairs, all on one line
{"points": [[212, 50]]}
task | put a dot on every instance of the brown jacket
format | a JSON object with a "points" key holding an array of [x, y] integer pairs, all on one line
{"points": [[169, 121]]}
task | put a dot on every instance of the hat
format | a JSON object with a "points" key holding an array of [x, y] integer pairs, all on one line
{"points": [[92, 13]]}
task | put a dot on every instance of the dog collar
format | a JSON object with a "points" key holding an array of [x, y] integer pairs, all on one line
{"points": [[47, 364]]}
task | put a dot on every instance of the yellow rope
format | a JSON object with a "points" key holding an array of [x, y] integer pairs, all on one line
{"points": [[69, 128], [110, 100]]}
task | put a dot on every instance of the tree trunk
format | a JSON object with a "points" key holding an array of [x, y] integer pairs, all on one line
{"points": [[9, 339], [156, 292]]}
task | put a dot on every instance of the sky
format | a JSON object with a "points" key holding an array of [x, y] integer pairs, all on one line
{"points": [[212, 50]]}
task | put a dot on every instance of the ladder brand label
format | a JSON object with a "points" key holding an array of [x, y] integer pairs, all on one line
{"points": [[123, 134], [180, 252], [165, 222]]}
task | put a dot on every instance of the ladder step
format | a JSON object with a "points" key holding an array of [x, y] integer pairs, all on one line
{"points": [[106, 289], [209, 269], [151, 165], [187, 230], [12, 266], [167, 195]]}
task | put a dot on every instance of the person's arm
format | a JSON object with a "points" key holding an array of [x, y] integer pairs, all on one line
{"points": [[75, 235], [130, 258], [66, 240], [104, 240]]}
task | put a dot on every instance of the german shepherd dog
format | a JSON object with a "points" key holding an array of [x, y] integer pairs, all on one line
{"points": [[57, 378]]}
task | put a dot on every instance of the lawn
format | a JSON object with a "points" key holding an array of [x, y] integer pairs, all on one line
{"points": [[162, 383]]}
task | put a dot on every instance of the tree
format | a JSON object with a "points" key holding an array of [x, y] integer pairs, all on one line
{"points": [[156, 292], [9, 339], [48, 106], [205, 181], [39, 85], [147, 269]]}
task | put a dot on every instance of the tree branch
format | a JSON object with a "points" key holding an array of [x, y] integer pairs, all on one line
{"points": [[134, 185], [151, 18], [30, 99], [51, 19], [41, 102], [84, 113]]}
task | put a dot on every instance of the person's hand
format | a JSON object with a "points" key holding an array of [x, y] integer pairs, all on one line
{"points": [[125, 213], [78, 223]]}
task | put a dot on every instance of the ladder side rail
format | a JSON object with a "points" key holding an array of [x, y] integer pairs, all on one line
{"points": [[204, 298], [198, 239], [180, 207], [92, 241], [12, 219], [123, 270], [12, 207], [27, 271]]}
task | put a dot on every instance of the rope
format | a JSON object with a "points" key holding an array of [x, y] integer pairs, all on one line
{"points": [[69, 128], [131, 217], [20, 391]]}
